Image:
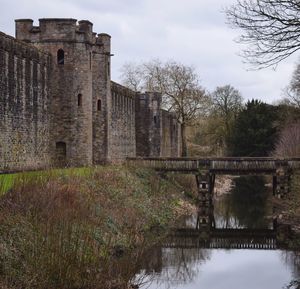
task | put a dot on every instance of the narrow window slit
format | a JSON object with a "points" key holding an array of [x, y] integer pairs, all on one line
{"points": [[79, 99], [60, 57]]}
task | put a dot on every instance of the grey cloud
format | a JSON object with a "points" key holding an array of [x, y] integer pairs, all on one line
{"points": [[111, 6], [190, 31]]}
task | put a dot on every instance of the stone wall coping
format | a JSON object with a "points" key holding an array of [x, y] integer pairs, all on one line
{"points": [[119, 88], [57, 20], [85, 21], [27, 46], [23, 20], [104, 34]]}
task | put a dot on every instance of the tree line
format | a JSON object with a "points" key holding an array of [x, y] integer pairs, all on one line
{"points": [[217, 123]]}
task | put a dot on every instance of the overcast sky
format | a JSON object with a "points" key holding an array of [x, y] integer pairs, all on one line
{"points": [[192, 32]]}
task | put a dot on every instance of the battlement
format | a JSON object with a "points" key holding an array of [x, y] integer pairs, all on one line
{"points": [[21, 49], [119, 89], [59, 29]]}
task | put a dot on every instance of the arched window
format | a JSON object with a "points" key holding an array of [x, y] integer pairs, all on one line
{"points": [[60, 57], [155, 119], [79, 99], [99, 104]]}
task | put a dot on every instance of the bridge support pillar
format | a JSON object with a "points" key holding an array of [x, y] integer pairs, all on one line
{"points": [[281, 182], [205, 184]]}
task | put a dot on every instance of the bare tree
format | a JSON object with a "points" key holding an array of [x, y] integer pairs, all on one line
{"points": [[271, 29], [293, 90], [179, 85], [226, 103], [132, 75], [288, 144]]}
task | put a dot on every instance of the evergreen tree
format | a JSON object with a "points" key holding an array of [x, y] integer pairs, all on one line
{"points": [[255, 130]]}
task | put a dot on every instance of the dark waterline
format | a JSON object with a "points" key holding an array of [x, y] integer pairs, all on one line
{"points": [[181, 264]]}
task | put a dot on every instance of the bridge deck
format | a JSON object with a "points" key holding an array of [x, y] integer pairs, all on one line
{"points": [[217, 165]]}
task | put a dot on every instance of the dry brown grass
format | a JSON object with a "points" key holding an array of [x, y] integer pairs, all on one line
{"points": [[61, 230]]}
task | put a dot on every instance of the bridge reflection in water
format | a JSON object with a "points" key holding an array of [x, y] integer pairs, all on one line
{"points": [[187, 238], [206, 169], [230, 243]]}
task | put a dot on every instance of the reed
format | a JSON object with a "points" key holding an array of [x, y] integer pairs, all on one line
{"points": [[62, 228]]}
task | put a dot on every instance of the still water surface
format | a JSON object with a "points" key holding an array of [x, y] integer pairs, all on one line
{"points": [[190, 267]]}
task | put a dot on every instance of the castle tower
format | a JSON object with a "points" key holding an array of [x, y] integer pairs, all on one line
{"points": [[102, 104], [148, 124], [79, 87]]}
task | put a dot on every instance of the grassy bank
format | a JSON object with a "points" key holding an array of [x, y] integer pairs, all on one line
{"points": [[289, 207], [64, 228]]}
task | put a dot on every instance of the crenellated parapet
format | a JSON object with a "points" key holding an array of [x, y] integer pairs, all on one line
{"points": [[21, 49], [60, 29], [119, 89]]}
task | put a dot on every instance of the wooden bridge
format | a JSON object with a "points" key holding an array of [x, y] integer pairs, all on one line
{"points": [[228, 166], [205, 170]]}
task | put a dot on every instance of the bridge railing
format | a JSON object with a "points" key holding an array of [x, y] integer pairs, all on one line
{"points": [[257, 164], [166, 163]]}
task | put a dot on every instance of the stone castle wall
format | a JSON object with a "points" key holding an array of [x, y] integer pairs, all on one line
{"points": [[170, 135], [123, 138], [59, 107], [24, 106], [157, 130], [101, 99], [78, 81], [147, 119]]}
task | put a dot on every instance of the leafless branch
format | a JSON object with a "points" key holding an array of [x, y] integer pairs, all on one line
{"points": [[271, 29]]}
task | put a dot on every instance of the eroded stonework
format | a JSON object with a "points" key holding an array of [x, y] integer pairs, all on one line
{"points": [[59, 107]]}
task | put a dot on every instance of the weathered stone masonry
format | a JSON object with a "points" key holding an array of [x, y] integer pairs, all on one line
{"points": [[24, 105], [76, 85], [157, 130], [123, 139], [59, 107]]}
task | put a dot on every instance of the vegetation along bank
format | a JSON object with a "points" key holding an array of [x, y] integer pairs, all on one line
{"points": [[65, 228]]}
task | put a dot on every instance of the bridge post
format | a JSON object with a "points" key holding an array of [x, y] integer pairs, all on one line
{"points": [[205, 185], [281, 181]]}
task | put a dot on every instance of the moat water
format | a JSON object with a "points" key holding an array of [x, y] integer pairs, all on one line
{"points": [[191, 262]]}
